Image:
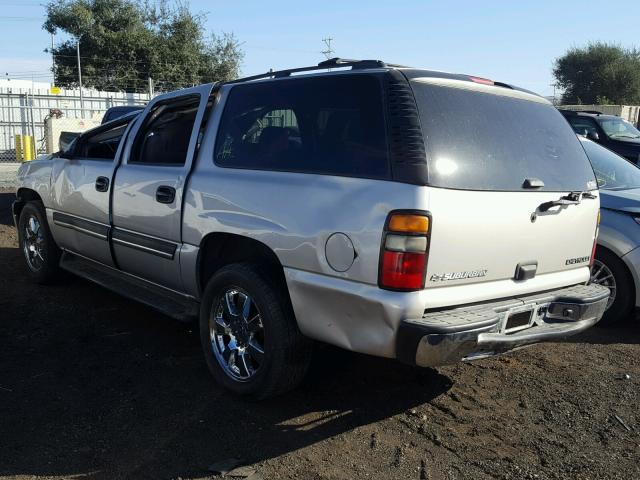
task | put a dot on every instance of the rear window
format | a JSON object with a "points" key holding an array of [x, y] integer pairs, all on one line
{"points": [[328, 125], [477, 140]]}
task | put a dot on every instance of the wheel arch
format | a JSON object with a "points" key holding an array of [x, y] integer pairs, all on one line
{"points": [[632, 274], [24, 195], [219, 249]]}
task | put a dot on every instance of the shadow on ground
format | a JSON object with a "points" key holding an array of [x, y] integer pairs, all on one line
{"points": [[626, 331], [6, 199], [93, 384]]}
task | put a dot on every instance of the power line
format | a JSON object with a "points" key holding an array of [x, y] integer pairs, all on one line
{"points": [[329, 51], [20, 19]]}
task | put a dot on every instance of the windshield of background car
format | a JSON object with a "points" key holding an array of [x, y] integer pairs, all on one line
{"points": [[618, 128], [612, 171], [482, 137]]}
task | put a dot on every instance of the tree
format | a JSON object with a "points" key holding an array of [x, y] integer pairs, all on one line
{"points": [[123, 43], [599, 71]]}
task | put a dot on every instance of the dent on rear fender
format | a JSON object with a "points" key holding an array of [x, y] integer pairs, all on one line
{"points": [[351, 315], [295, 214]]}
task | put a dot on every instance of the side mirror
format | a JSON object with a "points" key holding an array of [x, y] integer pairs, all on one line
{"points": [[66, 154], [593, 135]]}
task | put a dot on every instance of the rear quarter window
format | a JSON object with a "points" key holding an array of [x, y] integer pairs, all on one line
{"points": [[328, 125], [478, 140]]}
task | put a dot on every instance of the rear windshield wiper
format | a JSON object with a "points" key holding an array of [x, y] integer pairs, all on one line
{"points": [[572, 198]]}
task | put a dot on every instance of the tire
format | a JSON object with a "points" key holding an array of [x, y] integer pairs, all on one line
{"points": [[40, 251], [610, 271], [267, 325]]}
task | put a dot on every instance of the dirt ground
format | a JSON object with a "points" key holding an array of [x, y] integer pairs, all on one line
{"points": [[93, 385]]}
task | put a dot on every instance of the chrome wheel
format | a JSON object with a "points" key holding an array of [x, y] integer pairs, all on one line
{"points": [[602, 275], [33, 243], [237, 334]]}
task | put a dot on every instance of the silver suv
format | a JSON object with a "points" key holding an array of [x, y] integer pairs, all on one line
{"points": [[404, 213]]}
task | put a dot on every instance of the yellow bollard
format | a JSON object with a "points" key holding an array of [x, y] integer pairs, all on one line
{"points": [[28, 147], [19, 155]]}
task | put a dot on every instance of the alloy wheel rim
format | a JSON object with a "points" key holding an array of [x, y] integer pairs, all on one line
{"points": [[33, 243], [237, 334], [602, 275]]}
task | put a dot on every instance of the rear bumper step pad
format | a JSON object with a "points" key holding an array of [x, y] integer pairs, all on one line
{"points": [[477, 331]]}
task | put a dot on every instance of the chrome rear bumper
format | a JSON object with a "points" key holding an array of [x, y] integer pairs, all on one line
{"points": [[477, 331]]}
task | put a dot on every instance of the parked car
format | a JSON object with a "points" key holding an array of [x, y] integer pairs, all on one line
{"points": [[119, 111], [610, 131], [283, 208], [617, 262]]}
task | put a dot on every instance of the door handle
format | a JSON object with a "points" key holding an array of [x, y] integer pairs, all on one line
{"points": [[102, 184], [165, 194]]}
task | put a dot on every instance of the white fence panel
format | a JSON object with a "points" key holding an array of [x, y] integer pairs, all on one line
{"points": [[22, 112]]}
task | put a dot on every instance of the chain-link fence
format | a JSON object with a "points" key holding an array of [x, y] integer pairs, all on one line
{"points": [[23, 112]]}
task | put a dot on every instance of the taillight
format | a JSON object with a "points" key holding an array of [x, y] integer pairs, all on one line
{"points": [[405, 243], [595, 242]]}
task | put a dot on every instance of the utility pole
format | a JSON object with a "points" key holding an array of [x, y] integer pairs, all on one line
{"points": [[80, 78], [150, 88], [53, 58], [329, 51]]}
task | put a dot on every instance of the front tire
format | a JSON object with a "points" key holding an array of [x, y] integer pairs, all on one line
{"points": [[249, 334], [40, 251], [609, 271]]}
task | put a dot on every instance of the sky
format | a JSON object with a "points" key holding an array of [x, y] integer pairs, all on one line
{"points": [[509, 41]]}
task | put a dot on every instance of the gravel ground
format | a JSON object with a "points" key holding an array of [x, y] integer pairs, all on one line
{"points": [[93, 385], [8, 175]]}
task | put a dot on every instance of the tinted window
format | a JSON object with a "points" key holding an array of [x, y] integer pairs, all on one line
{"points": [[612, 172], [165, 135], [332, 125], [583, 126], [102, 145], [486, 141]]}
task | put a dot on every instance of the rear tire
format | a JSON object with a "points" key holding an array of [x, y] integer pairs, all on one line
{"points": [[40, 251], [608, 270], [249, 334]]}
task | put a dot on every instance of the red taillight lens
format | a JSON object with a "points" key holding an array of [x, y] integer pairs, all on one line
{"points": [[403, 270], [484, 81], [405, 244]]}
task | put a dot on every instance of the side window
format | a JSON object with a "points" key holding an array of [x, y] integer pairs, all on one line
{"points": [[331, 125], [583, 126], [164, 137], [102, 145]]}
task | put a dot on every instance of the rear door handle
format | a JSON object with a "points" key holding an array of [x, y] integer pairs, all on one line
{"points": [[102, 184], [165, 194]]}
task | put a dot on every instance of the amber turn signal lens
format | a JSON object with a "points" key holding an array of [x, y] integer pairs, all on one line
{"points": [[409, 223]]}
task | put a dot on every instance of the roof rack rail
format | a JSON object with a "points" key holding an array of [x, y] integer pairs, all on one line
{"points": [[330, 63], [592, 112], [595, 112]]}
